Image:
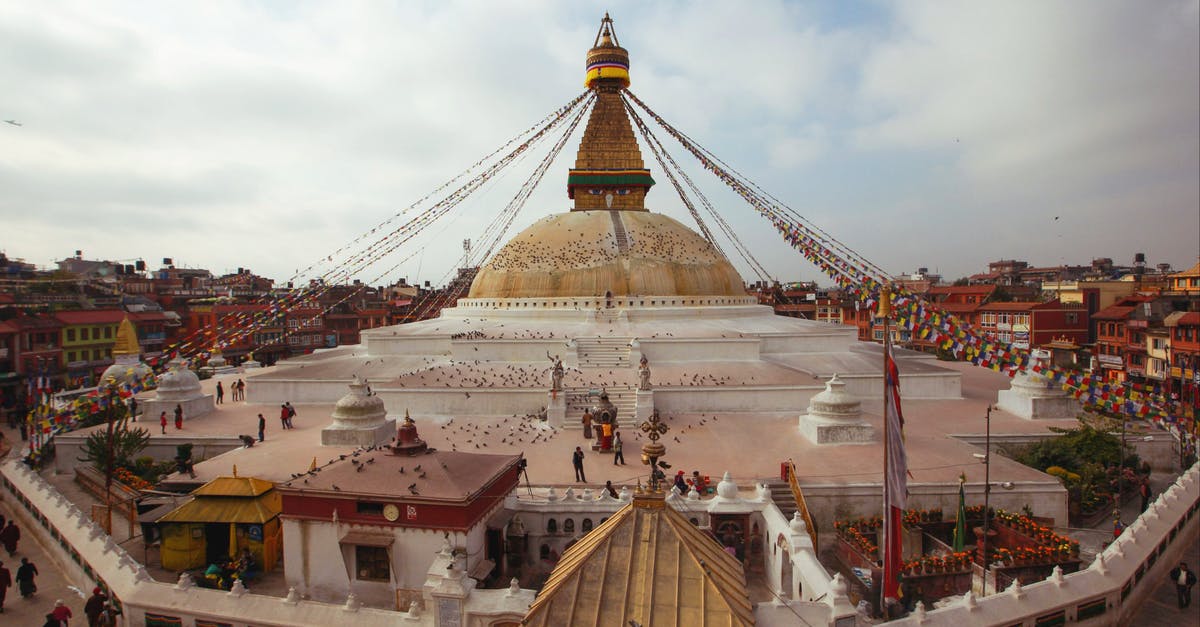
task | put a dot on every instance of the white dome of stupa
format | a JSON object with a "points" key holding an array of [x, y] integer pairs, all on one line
{"points": [[357, 409], [179, 383]]}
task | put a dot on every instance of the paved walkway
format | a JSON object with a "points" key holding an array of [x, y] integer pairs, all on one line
{"points": [[1161, 608], [52, 584]]}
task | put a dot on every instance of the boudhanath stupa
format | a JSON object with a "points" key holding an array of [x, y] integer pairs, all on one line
{"points": [[611, 298], [600, 287]]}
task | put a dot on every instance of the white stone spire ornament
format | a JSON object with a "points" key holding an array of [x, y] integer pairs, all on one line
{"points": [[359, 419], [835, 417]]}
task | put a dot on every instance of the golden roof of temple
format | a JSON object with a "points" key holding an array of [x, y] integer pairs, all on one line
{"points": [[127, 341], [647, 564]]}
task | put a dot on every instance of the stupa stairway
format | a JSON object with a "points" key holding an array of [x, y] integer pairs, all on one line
{"points": [[624, 398], [603, 352], [781, 493]]}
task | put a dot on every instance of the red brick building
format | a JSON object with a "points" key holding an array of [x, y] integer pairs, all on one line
{"points": [[1184, 330], [1031, 324]]}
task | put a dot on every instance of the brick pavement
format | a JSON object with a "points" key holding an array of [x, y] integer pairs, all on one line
{"points": [[52, 584]]}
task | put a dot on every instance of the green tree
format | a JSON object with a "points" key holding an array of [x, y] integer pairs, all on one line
{"points": [[126, 444]]}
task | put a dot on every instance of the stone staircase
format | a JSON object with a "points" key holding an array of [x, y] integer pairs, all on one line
{"points": [[781, 493], [619, 235], [603, 352], [624, 398]]}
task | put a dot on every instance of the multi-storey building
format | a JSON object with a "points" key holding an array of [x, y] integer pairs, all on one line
{"points": [[1031, 324]]}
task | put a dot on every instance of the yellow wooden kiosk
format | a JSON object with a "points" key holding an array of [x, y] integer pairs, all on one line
{"points": [[223, 517]]}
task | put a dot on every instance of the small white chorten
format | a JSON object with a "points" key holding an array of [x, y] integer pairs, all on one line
{"points": [[359, 419], [179, 386], [835, 417]]}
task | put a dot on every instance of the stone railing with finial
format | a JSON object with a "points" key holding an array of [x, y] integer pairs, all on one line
{"points": [[1110, 589], [89, 557]]}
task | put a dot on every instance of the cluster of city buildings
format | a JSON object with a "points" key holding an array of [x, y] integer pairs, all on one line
{"points": [[58, 327], [1133, 324]]}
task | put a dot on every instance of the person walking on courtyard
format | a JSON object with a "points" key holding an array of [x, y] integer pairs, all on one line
{"points": [[108, 616], [162, 421], [587, 424], [577, 461], [62, 613], [51, 621], [262, 427], [1184, 580], [178, 416], [132, 409], [617, 454], [283, 415], [5, 584], [95, 606], [1144, 492], [239, 390], [25, 574], [220, 393], [9, 537], [291, 413]]}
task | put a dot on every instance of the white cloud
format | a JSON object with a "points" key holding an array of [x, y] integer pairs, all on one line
{"points": [[267, 135]]}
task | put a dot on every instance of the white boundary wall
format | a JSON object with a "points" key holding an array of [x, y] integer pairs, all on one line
{"points": [[1118, 581]]}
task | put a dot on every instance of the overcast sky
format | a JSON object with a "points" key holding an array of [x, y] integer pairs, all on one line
{"points": [[268, 134]]}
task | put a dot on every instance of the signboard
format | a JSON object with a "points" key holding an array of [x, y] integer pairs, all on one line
{"points": [[1020, 335], [410, 512]]}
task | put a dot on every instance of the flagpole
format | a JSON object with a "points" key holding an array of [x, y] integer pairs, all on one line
{"points": [[883, 311]]}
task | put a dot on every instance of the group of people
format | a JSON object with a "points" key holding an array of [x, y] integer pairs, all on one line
{"points": [[162, 418], [286, 413], [697, 482], [10, 536], [223, 575], [237, 389]]}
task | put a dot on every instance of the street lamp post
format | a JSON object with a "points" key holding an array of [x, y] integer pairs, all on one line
{"points": [[987, 492]]}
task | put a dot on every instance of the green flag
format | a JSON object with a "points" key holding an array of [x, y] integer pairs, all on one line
{"points": [[960, 526]]}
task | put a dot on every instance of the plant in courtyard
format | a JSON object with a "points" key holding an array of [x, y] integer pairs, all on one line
{"points": [[126, 444]]}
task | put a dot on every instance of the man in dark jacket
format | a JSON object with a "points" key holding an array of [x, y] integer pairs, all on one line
{"points": [[25, 575], [94, 606], [1184, 579], [5, 584]]}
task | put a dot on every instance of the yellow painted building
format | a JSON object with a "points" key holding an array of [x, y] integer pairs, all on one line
{"points": [[224, 516]]}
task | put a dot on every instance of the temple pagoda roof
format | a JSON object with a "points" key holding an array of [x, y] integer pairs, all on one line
{"points": [[649, 564]]}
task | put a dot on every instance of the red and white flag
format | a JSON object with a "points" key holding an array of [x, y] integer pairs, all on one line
{"points": [[895, 492]]}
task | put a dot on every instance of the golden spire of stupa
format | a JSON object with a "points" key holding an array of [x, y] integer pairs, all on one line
{"points": [[609, 172], [127, 342]]}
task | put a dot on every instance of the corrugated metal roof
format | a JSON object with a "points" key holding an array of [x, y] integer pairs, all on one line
{"points": [[647, 564], [227, 509], [234, 486]]}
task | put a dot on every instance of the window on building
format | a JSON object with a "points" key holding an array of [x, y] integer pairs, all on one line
{"points": [[71, 357], [879, 338], [83, 334], [552, 526], [569, 525], [108, 333], [371, 563], [70, 335], [1072, 318], [587, 525], [364, 507]]}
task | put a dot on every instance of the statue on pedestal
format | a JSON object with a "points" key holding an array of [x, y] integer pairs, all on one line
{"points": [[644, 374], [556, 375]]}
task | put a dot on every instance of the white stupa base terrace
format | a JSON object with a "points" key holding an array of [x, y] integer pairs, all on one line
{"points": [[492, 357], [193, 407], [820, 430], [338, 435], [1037, 398]]}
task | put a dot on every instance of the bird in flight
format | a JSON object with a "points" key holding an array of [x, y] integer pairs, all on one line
{"points": [[14, 123]]}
